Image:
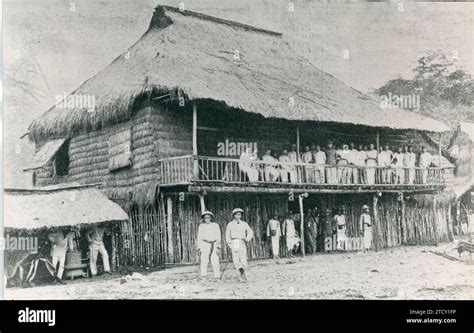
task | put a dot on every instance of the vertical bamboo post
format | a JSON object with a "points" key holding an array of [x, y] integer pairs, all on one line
{"points": [[298, 143], [402, 224], [435, 219], [114, 253], [169, 220], [201, 200], [195, 146], [378, 172], [301, 198], [439, 156], [375, 209]]}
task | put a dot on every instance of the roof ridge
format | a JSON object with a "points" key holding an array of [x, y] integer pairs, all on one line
{"points": [[160, 20]]}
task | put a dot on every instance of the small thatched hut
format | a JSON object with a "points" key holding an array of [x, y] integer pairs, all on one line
{"points": [[31, 214], [192, 83]]}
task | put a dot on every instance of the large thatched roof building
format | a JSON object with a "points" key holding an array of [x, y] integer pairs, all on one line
{"points": [[243, 67], [145, 143]]}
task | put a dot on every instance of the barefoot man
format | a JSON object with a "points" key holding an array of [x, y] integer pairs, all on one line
{"points": [[237, 235]]}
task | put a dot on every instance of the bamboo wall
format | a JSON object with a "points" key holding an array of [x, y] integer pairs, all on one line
{"points": [[144, 240], [89, 161]]}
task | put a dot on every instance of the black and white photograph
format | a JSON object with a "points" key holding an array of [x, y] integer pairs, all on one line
{"points": [[238, 150]]}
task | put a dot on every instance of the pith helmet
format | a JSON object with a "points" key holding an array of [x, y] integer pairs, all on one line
{"points": [[207, 213], [365, 207], [237, 210]]}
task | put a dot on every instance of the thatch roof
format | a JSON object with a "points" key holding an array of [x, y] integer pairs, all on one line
{"points": [[195, 54], [58, 206]]}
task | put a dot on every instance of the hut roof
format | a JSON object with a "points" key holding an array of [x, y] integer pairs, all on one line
{"points": [[58, 206], [45, 153], [207, 58]]}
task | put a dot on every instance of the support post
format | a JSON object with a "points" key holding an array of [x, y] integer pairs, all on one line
{"points": [[435, 219], [377, 142], [439, 157], [298, 143], [195, 146], [375, 200], [201, 200], [301, 197], [402, 222], [169, 221]]}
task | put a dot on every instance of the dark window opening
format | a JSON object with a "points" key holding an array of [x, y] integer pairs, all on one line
{"points": [[61, 162]]}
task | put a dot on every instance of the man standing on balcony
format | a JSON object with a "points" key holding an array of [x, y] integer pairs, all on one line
{"points": [[358, 172], [307, 159], [209, 244], [237, 235], [294, 158], [424, 164], [371, 164], [286, 168], [385, 157], [343, 159], [331, 159], [270, 171], [409, 160], [397, 164], [320, 162], [274, 233], [246, 165]]}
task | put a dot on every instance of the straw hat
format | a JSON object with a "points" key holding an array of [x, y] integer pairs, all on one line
{"points": [[207, 213], [237, 210]]}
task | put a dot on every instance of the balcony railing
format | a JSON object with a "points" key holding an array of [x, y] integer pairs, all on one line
{"points": [[187, 169]]}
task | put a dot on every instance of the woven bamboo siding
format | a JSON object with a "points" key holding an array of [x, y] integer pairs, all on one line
{"points": [[172, 131], [187, 216], [142, 240], [89, 161]]}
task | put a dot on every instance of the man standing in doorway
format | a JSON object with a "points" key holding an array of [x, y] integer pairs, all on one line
{"points": [[96, 245], [274, 233], [60, 243], [365, 225], [311, 230], [238, 233]]}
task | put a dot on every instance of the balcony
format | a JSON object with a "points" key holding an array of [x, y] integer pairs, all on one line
{"points": [[233, 175]]}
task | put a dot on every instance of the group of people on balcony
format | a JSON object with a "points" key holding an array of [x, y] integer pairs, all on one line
{"points": [[344, 165]]}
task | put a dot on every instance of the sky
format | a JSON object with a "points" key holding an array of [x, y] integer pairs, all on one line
{"points": [[52, 46]]}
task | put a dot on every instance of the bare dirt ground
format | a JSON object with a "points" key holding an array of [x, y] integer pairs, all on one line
{"points": [[399, 273]]}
